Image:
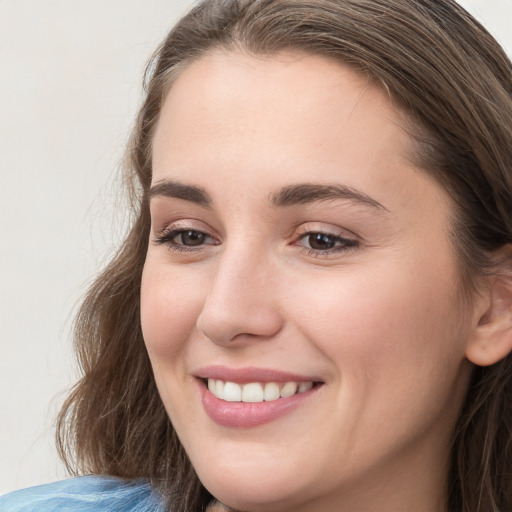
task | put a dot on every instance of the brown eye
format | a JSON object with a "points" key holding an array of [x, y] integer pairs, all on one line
{"points": [[321, 241], [184, 239], [190, 238], [318, 243]]}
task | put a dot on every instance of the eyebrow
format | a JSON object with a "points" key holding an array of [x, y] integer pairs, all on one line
{"points": [[309, 193], [287, 196], [171, 188]]}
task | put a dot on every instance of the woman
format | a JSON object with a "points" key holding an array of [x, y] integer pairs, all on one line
{"points": [[313, 309]]}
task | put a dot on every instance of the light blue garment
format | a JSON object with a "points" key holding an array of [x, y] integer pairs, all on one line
{"points": [[85, 494]]}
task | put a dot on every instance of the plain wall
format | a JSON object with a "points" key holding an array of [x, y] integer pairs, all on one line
{"points": [[69, 89]]}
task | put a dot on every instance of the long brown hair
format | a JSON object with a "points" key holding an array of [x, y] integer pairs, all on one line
{"points": [[454, 81]]}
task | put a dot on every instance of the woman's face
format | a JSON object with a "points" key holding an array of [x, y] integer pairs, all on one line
{"points": [[297, 253]]}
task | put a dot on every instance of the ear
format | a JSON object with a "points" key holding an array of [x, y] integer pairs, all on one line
{"points": [[491, 339]]}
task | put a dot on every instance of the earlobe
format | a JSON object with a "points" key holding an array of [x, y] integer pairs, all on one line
{"points": [[491, 339]]}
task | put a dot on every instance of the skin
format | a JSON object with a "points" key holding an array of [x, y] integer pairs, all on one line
{"points": [[379, 321]]}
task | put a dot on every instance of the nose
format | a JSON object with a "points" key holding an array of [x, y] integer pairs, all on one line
{"points": [[242, 303]]}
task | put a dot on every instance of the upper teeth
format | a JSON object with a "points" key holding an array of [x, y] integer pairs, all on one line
{"points": [[254, 391]]}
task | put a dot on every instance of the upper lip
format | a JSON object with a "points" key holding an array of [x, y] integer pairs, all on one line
{"points": [[251, 374]]}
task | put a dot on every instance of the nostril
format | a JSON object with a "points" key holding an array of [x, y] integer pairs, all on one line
{"points": [[239, 324], [239, 306]]}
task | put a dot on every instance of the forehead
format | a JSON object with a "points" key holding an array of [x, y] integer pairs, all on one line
{"points": [[292, 115]]}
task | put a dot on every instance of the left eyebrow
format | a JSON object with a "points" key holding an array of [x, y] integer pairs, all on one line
{"points": [[172, 188], [308, 193]]}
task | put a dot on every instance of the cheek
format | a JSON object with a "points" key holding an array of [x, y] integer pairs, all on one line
{"points": [[170, 306], [396, 346], [389, 328], [169, 311]]}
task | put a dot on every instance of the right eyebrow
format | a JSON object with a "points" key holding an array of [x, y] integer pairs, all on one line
{"points": [[304, 193], [171, 188]]}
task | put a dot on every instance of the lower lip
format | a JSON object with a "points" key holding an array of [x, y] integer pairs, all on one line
{"points": [[247, 414]]}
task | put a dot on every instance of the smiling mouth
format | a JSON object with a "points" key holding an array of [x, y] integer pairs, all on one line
{"points": [[250, 397], [256, 392]]}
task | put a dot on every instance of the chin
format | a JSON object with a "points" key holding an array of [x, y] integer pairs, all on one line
{"points": [[252, 494], [253, 483]]}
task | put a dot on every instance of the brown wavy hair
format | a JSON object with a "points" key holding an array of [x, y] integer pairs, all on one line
{"points": [[455, 82]]}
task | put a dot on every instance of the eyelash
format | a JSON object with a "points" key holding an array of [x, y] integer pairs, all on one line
{"points": [[167, 236], [346, 244]]}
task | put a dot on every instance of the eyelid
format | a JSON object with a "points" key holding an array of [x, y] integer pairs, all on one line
{"points": [[169, 231], [185, 223], [326, 229], [347, 241]]}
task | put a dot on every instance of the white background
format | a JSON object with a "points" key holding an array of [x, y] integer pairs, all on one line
{"points": [[70, 75]]}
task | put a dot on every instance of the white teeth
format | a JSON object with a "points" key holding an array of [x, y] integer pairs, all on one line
{"points": [[219, 389], [232, 392], [271, 391], [289, 389], [255, 392], [252, 392], [305, 386]]}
